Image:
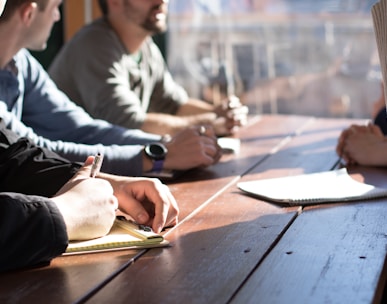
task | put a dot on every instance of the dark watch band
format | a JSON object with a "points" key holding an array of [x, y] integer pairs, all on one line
{"points": [[158, 165]]}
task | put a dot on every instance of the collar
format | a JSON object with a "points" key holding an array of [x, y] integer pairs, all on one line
{"points": [[11, 67]]}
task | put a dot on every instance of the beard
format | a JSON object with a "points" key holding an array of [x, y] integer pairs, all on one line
{"points": [[155, 24], [155, 21], [155, 27]]}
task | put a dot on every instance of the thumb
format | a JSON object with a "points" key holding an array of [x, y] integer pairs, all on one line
{"points": [[85, 170]]}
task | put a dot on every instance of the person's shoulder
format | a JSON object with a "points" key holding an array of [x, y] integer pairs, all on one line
{"points": [[99, 25], [93, 33], [22, 53], [24, 58]]}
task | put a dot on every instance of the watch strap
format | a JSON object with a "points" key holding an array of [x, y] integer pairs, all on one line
{"points": [[158, 165]]}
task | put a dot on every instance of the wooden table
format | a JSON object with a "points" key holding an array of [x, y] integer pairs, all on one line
{"points": [[232, 248]]}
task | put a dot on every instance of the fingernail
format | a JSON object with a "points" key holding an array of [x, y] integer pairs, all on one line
{"points": [[159, 228]]}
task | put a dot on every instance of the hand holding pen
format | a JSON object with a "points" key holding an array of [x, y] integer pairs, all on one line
{"points": [[88, 205]]}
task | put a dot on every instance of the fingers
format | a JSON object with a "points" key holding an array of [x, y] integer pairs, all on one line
{"points": [[355, 144], [232, 102], [341, 145], [85, 170], [233, 113], [150, 202], [236, 112], [236, 118], [211, 147], [206, 130], [114, 202], [376, 130], [166, 210], [82, 173], [354, 130]]}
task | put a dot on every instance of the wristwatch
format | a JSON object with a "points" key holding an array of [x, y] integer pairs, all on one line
{"points": [[156, 152]]}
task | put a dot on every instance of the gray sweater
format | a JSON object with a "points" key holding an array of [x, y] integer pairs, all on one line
{"points": [[100, 75]]}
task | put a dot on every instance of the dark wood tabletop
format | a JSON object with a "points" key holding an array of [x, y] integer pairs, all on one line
{"points": [[232, 248]]}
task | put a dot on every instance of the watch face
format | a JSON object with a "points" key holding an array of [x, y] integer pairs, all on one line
{"points": [[156, 151]]}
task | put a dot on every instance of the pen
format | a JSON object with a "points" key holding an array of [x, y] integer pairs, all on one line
{"points": [[96, 165]]}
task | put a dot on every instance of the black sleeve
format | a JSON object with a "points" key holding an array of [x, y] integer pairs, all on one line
{"points": [[381, 120], [32, 231], [29, 169]]}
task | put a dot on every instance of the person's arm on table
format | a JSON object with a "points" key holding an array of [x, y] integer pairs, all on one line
{"points": [[36, 229], [363, 145], [190, 149], [224, 119]]}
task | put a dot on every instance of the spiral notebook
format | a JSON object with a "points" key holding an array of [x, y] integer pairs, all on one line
{"points": [[124, 234], [315, 188]]}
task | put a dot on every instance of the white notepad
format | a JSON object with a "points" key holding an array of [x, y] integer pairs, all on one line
{"points": [[314, 188]]}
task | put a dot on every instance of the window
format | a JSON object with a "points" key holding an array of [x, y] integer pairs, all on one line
{"points": [[280, 56]]}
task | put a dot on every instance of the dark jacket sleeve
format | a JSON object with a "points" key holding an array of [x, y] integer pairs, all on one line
{"points": [[32, 231], [29, 169], [381, 120]]}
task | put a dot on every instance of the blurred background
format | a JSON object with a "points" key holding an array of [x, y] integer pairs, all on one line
{"points": [[279, 56], [285, 56]]}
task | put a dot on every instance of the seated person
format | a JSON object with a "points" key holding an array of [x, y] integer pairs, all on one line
{"points": [[35, 228], [45, 202], [32, 106], [114, 70]]}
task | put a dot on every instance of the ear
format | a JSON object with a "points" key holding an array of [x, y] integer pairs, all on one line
{"points": [[28, 11]]}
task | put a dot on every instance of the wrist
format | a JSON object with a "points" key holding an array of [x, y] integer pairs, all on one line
{"points": [[155, 153]]}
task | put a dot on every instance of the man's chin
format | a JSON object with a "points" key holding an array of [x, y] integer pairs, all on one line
{"points": [[37, 48]]}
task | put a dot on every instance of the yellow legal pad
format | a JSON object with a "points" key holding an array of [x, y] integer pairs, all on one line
{"points": [[124, 234]]}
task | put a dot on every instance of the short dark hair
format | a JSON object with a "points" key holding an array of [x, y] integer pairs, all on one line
{"points": [[103, 7], [12, 5]]}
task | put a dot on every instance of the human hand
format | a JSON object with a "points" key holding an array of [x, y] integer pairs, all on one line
{"points": [[343, 138], [192, 148], [363, 145], [87, 205], [231, 115], [146, 200]]}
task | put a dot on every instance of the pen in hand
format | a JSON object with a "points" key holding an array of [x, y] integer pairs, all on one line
{"points": [[97, 164]]}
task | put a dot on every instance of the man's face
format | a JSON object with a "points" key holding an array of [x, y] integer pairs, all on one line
{"points": [[2, 4], [41, 26], [151, 15]]}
